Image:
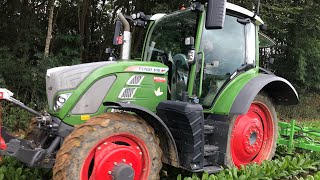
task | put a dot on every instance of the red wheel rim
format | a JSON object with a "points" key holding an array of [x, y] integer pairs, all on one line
{"points": [[252, 135], [118, 149]]}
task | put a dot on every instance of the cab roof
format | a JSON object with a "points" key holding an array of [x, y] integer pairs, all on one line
{"points": [[230, 7], [241, 10]]}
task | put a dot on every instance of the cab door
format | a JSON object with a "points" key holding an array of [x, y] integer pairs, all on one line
{"points": [[224, 51]]}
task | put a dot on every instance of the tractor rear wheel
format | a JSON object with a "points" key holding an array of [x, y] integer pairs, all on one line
{"points": [[110, 146], [253, 136]]}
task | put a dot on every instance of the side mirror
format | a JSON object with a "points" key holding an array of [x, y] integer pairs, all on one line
{"points": [[216, 13]]}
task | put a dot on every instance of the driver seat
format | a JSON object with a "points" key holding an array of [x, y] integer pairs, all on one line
{"points": [[179, 79]]}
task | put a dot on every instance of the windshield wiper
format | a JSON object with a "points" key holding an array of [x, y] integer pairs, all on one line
{"points": [[244, 67]]}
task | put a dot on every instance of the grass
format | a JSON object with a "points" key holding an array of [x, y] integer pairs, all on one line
{"points": [[308, 109], [310, 123]]}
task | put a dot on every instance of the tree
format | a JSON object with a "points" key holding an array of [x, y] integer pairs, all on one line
{"points": [[49, 33]]}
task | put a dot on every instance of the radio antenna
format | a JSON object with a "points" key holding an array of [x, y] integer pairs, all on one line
{"points": [[257, 7]]}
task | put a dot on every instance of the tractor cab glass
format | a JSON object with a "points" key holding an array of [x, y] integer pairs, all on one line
{"points": [[265, 41], [265, 49], [166, 44], [225, 50]]}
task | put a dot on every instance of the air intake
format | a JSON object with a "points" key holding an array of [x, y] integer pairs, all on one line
{"points": [[135, 80], [127, 93]]}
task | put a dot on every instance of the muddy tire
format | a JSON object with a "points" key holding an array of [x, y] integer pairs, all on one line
{"points": [[253, 136], [104, 143]]}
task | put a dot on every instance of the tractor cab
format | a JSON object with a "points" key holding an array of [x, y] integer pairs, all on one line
{"points": [[220, 52]]}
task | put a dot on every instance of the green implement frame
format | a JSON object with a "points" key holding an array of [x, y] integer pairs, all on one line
{"points": [[294, 136]]}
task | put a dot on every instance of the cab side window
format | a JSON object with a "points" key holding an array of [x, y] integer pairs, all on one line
{"points": [[224, 52]]}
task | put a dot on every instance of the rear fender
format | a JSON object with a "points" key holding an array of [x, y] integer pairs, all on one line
{"points": [[279, 90], [167, 142]]}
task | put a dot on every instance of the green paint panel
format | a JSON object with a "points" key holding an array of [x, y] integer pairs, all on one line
{"points": [[151, 90], [225, 99], [197, 48]]}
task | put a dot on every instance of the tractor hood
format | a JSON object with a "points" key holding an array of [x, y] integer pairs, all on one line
{"points": [[69, 77]]}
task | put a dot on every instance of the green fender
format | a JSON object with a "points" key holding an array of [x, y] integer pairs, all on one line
{"points": [[279, 90], [237, 96]]}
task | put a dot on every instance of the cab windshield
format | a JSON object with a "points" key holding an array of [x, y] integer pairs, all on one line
{"points": [[167, 36]]}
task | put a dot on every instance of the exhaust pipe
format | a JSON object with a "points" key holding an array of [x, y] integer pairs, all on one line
{"points": [[126, 46]]}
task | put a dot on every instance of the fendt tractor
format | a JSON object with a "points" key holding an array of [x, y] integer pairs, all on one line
{"points": [[196, 99]]}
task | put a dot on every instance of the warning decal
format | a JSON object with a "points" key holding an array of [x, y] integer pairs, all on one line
{"points": [[159, 79]]}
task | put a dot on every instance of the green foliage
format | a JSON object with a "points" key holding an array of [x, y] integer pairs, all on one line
{"points": [[15, 118], [283, 167], [317, 175], [11, 169], [292, 24], [310, 124]]}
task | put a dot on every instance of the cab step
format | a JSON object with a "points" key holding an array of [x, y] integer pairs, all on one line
{"points": [[212, 169], [208, 129], [210, 150]]}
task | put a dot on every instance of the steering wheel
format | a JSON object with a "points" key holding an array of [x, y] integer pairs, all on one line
{"points": [[180, 61], [158, 55], [180, 71]]}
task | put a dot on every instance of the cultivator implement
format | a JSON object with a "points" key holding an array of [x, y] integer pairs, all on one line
{"points": [[295, 136]]}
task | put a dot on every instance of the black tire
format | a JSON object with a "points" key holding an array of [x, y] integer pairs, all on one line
{"points": [[268, 147], [79, 143]]}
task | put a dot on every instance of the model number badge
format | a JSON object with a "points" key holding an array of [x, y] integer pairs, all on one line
{"points": [[147, 69]]}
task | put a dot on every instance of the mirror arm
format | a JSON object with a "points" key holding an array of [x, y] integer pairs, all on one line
{"points": [[202, 71]]}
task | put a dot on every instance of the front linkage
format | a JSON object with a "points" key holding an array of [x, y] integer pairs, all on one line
{"points": [[38, 152]]}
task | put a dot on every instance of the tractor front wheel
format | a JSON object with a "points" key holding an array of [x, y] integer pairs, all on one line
{"points": [[253, 136], [110, 146]]}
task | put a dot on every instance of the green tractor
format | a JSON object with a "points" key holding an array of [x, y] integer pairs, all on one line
{"points": [[196, 99]]}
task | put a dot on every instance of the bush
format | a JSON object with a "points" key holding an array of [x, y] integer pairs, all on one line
{"points": [[14, 118], [11, 169]]}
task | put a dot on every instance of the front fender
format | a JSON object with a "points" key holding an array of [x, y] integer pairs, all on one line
{"points": [[280, 90]]}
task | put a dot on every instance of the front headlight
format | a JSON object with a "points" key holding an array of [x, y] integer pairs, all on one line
{"points": [[60, 100]]}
